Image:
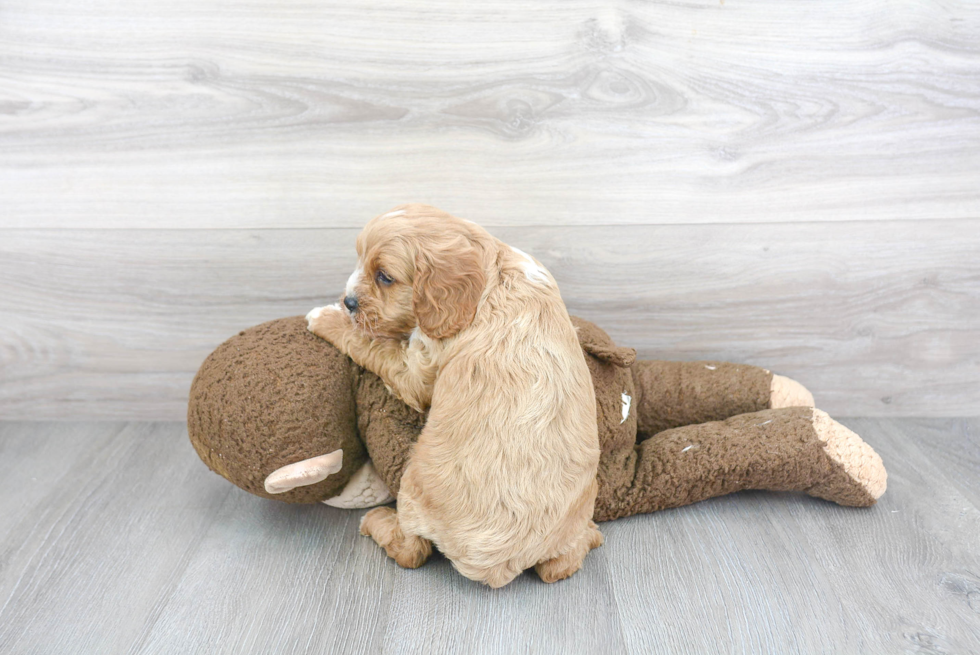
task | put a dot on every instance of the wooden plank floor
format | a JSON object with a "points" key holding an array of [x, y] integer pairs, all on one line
{"points": [[114, 538]]}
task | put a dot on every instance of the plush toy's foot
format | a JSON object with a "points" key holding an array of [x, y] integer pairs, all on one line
{"points": [[784, 392], [861, 477], [561, 567], [410, 551]]}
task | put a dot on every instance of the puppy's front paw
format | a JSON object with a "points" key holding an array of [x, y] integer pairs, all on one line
{"points": [[329, 322], [381, 524]]}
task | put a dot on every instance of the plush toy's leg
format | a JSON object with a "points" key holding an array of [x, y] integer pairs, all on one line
{"points": [[410, 551], [672, 394], [559, 568], [789, 449]]}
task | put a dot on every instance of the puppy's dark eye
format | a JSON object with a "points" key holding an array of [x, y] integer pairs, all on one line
{"points": [[382, 278]]}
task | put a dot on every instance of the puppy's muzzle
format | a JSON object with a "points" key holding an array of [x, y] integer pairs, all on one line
{"points": [[350, 302]]}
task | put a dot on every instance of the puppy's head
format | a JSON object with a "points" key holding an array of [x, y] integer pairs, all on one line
{"points": [[417, 267]]}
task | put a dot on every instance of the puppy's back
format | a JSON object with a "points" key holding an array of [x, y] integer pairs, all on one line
{"points": [[504, 473]]}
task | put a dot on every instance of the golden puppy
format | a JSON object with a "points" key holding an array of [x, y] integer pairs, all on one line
{"points": [[503, 476]]}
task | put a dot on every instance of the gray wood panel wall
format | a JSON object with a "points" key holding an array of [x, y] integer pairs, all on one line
{"points": [[791, 185]]}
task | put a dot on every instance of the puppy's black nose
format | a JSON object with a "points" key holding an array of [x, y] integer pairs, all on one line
{"points": [[350, 302]]}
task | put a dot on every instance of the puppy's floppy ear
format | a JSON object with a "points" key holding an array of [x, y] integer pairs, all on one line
{"points": [[449, 280]]}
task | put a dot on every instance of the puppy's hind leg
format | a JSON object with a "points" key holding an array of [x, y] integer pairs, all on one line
{"points": [[410, 551], [561, 567]]}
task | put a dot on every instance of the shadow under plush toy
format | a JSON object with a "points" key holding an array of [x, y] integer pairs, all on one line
{"points": [[283, 414]]}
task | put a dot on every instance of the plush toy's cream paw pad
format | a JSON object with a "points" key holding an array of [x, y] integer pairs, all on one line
{"points": [[859, 461], [365, 489], [307, 472], [784, 392]]}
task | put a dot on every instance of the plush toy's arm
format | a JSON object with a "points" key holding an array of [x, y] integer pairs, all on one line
{"points": [[388, 427], [789, 449], [673, 394]]}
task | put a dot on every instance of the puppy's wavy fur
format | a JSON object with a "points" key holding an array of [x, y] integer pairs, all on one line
{"points": [[503, 476]]}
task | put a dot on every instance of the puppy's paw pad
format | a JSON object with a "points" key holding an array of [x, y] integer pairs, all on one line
{"points": [[317, 312], [313, 314]]}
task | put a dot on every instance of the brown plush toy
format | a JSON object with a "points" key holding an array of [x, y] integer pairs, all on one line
{"points": [[283, 414]]}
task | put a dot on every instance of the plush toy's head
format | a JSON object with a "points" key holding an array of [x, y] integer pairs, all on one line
{"points": [[272, 396], [275, 398]]}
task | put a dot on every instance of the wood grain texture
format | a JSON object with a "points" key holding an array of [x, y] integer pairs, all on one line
{"points": [[211, 113], [958, 457], [875, 318], [762, 572], [93, 535], [115, 538]]}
